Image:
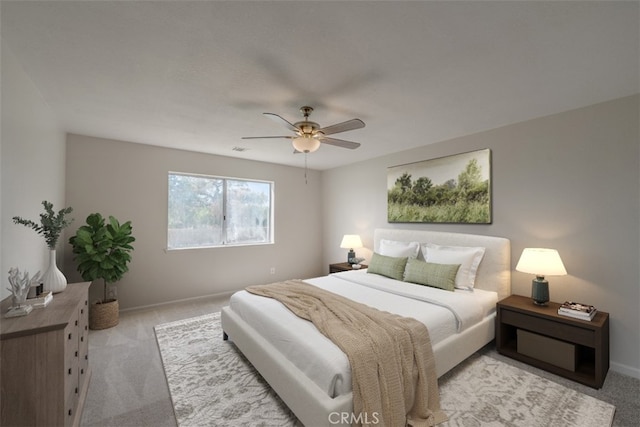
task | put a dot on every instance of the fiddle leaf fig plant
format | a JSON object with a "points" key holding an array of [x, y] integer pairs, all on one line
{"points": [[103, 249]]}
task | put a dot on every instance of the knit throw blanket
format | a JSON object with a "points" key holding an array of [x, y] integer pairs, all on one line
{"points": [[392, 364]]}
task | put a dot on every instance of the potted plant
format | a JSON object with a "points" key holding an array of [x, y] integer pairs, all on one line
{"points": [[51, 225], [103, 251]]}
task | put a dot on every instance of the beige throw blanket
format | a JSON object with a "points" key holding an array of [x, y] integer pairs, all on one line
{"points": [[392, 364]]}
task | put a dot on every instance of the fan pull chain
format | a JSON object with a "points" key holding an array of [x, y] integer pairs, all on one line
{"points": [[305, 169]]}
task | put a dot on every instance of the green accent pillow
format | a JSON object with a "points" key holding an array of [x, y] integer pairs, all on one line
{"points": [[387, 266], [441, 276]]}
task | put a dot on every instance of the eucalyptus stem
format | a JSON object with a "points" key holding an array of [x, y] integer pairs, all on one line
{"points": [[51, 224]]}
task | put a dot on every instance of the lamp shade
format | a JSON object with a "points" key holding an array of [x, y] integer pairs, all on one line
{"points": [[350, 241], [306, 144], [541, 262]]}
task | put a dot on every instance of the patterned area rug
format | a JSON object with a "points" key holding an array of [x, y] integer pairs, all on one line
{"points": [[212, 384]]}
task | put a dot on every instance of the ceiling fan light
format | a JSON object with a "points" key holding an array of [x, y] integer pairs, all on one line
{"points": [[306, 144]]}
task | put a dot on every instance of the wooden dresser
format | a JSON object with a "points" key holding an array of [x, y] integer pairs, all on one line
{"points": [[45, 361]]}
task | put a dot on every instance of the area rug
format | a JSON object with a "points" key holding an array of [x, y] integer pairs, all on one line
{"points": [[212, 384]]}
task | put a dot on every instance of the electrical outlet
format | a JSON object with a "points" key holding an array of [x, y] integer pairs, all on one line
{"points": [[272, 270]]}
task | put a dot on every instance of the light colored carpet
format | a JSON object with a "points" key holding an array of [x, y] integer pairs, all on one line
{"points": [[211, 383]]}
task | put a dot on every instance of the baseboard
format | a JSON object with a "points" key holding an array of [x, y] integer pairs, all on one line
{"points": [[142, 307], [629, 371]]}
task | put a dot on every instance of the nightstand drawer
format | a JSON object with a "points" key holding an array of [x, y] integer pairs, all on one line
{"points": [[552, 328], [558, 353]]}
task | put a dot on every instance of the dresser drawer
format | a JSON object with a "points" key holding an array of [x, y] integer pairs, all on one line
{"points": [[71, 340], [555, 329], [70, 407]]}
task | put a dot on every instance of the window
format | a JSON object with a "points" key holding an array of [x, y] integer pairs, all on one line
{"points": [[206, 211]]}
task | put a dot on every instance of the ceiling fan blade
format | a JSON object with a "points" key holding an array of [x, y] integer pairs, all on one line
{"points": [[276, 118], [267, 137], [340, 143], [343, 127]]}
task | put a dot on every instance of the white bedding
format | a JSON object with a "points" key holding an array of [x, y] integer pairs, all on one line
{"points": [[444, 313]]}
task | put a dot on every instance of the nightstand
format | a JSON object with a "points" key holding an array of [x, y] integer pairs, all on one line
{"points": [[538, 335], [342, 266]]}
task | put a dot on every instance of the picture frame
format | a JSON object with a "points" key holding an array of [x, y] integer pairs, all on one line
{"points": [[454, 189]]}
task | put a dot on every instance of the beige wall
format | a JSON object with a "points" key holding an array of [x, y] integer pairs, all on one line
{"points": [[32, 156], [567, 181], [129, 181]]}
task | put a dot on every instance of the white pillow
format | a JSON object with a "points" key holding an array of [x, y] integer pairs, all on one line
{"points": [[468, 257], [399, 249]]}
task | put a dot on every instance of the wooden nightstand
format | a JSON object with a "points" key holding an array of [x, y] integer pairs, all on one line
{"points": [[548, 340], [342, 266]]}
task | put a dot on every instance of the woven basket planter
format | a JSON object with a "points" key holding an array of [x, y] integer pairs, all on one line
{"points": [[104, 315]]}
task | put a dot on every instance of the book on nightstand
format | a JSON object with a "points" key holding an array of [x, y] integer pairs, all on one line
{"points": [[577, 310], [41, 300]]}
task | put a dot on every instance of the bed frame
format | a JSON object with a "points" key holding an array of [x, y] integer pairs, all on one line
{"points": [[312, 405]]}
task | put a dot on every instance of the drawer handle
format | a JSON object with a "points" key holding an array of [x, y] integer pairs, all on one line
{"points": [[69, 412], [76, 354], [69, 336], [69, 371], [82, 339], [76, 323], [85, 302], [86, 357], [76, 390], [81, 371], [82, 311], [85, 327]]}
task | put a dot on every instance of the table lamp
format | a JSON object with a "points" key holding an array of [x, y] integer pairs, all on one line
{"points": [[351, 241], [541, 262]]}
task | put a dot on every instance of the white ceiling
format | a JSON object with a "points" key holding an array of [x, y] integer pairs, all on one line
{"points": [[199, 75]]}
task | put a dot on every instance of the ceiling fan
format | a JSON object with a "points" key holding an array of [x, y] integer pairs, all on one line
{"points": [[309, 135]]}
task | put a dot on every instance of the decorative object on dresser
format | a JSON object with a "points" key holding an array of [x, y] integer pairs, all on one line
{"points": [[538, 335], [41, 301], [351, 241], [577, 310], [20, 287], [51, 225], [44, 375], [36, 290], [541, 262], [102, 251]]}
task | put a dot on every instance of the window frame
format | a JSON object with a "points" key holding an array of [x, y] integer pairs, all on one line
{"points": [[225, 244]]}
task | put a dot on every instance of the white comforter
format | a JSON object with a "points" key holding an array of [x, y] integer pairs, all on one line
{"points": [[444, 313]]}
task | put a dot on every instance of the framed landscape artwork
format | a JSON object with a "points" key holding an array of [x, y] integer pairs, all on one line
{"points": [[452, 189]]}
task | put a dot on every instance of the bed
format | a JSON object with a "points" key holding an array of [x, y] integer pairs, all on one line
{"points": [[308, 372]]}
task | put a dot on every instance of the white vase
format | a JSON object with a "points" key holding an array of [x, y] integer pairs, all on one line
{"points": [[53, 279]]}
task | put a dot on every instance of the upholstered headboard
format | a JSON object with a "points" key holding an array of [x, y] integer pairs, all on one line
{"points": [[494, 272]]}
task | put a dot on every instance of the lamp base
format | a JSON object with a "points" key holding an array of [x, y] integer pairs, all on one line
{"points": [[350, 256], [540, 291]]}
